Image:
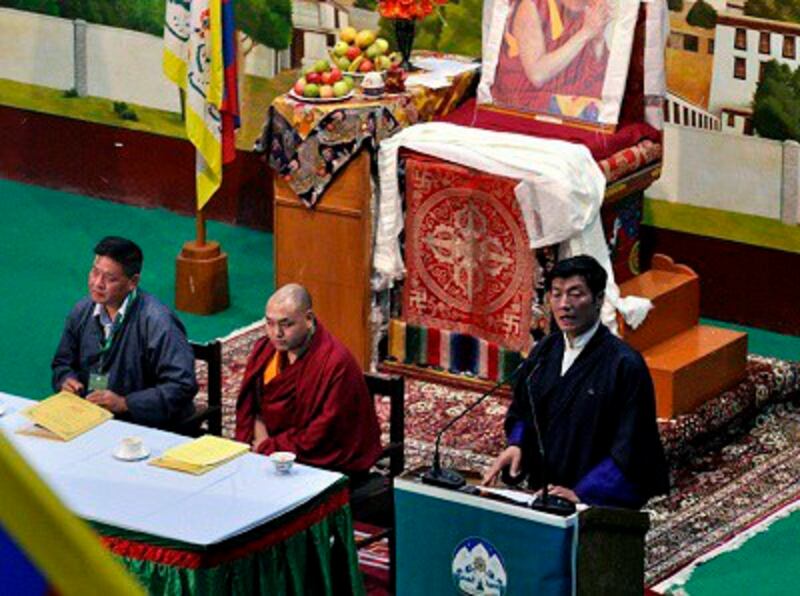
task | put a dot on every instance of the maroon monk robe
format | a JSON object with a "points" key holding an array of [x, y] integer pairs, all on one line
{"points": [[318, 407]]}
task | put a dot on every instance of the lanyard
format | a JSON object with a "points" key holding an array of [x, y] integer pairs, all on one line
{"points": [[116, 325]]}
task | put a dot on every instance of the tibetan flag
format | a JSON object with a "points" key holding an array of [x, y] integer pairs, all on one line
{"points": [[200, 57], [45, 549]]}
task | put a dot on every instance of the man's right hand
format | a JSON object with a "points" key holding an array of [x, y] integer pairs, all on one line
{"points": [[72, 385], [511, 456]]}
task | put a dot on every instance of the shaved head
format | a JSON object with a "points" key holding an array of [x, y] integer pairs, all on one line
{"points": [[289, 319], [292, 295]]}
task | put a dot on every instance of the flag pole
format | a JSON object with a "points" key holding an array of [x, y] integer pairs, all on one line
{"points": [[200, 227], [201, 273]]}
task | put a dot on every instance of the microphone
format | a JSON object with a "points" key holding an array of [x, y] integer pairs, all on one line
{"points": [[444, 478]]}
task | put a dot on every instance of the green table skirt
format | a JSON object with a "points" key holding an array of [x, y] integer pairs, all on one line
{"points": [[310, 550]]}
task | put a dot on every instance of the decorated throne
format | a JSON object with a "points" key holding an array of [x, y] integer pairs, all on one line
{"points": [[550, 159]]}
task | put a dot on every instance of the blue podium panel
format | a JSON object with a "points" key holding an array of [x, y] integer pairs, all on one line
{"points": [[454, 543]]}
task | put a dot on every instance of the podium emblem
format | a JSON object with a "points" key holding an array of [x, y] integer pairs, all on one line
{"points": [[478, 569]]}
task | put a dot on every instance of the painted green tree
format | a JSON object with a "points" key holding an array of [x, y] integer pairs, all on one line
{"points": [[139, 15], [702, 14], [268, 22], [50, 7], [776, 103], [777, 10], [461, 32]]}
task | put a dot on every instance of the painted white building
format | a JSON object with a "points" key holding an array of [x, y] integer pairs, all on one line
{"points": [[737, 120], [315, 25], [682, 112], [742, 46]]}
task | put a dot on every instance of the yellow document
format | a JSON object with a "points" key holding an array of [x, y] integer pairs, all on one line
{"points": [[65, 415], [201, 455]]}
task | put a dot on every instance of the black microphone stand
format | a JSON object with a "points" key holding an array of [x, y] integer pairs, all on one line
{"points": [[546, 502], [442, 477]]}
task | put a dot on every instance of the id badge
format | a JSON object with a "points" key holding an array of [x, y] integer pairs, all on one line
{"points": [[97, 382]]}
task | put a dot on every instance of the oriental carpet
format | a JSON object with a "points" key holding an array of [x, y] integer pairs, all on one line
{"points": [[734, 462]]}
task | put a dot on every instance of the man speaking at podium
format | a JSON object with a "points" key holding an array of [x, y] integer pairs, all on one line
{"points": [[589, 398]]}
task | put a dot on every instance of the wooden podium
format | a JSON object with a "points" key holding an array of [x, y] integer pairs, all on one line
{"points": [[328, 250], [450, 542]]}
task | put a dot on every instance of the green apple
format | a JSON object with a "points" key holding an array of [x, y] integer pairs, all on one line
{"points": [[350, 82], [383, 63], [340, 88], [373, 51], [340, 48], [382, 44], [326, 91], [343, 63], [311, 90], [321, 66]]}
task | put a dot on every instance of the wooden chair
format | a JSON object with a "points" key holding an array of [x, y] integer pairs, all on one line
{"points": [[372, 499], [210, 412]]}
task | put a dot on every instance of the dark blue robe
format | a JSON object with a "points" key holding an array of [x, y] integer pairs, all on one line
{"points": [[601, 412], [150, 362]]}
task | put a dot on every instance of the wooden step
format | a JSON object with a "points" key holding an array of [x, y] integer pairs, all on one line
{"points": [[695, 365], [675, 293]]}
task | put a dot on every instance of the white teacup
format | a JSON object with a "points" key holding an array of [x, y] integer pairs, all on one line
{"points": [[283, 461], [131, 447]]}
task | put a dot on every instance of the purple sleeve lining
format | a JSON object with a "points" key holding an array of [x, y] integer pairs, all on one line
{"points": [[606, 485]]}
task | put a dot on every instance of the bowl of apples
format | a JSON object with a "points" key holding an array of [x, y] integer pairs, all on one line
{"points": [[322, 83], [359, 52]]}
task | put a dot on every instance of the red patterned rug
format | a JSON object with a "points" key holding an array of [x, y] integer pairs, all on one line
{"points": [[734, 462], [468, 259]]}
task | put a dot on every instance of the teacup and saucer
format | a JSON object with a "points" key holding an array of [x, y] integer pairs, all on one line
{"points": [[131, 449], [283, 461]]}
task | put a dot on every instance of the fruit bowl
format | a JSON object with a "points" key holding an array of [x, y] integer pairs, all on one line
{"points": [[297, 97]]}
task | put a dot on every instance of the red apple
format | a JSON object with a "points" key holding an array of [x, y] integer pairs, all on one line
{"points": [[326, 79], [336, 75], [353, 52], [326, 91], [366, 66], [314, 77], [299, 86]]}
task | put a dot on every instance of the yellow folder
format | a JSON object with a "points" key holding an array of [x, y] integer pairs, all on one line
{"points": [[201, 455], [64, 416]]}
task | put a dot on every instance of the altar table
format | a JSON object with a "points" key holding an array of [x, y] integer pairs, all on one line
{"points": [[239, 529]]}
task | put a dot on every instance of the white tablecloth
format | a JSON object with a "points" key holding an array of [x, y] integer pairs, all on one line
{"points": [[201, 510]]}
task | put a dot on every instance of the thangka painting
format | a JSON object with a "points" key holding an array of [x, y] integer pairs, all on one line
{"points": [[563, 59]]}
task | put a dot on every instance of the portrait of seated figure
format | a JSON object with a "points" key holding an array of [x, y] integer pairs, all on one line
{"points": [[562, 58]]}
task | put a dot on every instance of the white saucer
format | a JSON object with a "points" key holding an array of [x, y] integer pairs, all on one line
{"points": [[2, 408], [144, 454]]}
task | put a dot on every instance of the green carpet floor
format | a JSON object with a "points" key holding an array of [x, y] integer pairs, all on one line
{"points": [[48, 237], [766, 565]]}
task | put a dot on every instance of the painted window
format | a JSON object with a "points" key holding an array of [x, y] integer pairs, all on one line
{"points": [[731, 120], [764, 42], [789, 46], [676, 113], [690, 43], [666, 112], [740, 41], [761, 67], [710, 46], [739, 68]]}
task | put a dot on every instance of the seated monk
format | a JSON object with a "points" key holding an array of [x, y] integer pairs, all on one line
{"points": [[304, 392]]}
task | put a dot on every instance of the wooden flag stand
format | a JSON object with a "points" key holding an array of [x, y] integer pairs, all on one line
{"points": [[201, 275]]}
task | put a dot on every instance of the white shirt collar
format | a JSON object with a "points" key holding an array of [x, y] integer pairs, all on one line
{"points": [[580, 342], [102, 313], [573, 348]]}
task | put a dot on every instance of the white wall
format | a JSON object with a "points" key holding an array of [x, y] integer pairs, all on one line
{"points": [[36, 49], [723, 171], [125, 65]]}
